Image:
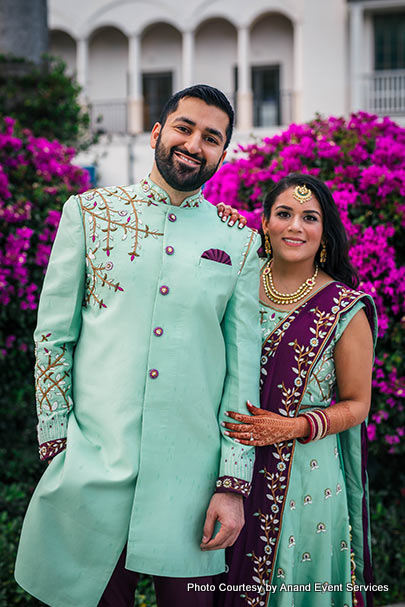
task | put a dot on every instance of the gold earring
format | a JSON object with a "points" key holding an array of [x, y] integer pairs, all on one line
{"points": [[323, 255], [267, 245]]}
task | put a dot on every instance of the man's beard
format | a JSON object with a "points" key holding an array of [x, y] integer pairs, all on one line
{"points": [[182, 177]]}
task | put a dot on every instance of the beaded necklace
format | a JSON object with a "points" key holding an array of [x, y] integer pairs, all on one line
{"points": [[286, 298]]}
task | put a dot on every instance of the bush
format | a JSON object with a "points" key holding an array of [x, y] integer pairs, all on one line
{"points": [[36, 177], [362, 160], [45, 99]]}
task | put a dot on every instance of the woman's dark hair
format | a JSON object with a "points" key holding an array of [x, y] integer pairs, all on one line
{"points": [[210, 95], [337, 263]]}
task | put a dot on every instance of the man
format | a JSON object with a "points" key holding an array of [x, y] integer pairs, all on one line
{"points": [[132, 387]]}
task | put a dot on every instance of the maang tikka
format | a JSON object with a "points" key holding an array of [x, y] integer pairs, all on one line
{"points": [[302, 193]]}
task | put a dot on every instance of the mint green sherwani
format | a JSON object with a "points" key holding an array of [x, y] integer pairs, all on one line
{"points": [[147, 333]]}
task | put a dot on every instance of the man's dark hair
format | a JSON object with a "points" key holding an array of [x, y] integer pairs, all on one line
{"points": [[210, 95]]}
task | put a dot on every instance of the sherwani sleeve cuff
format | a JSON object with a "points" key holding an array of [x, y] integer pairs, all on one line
{"points": [[49, 449], [52, 428], [231, 484]]}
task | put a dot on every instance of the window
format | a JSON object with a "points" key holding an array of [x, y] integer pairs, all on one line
{"points": [[389, 41], [266, 94], [157, 88]]}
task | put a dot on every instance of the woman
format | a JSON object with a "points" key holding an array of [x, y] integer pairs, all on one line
{"points": [[306, 535]]}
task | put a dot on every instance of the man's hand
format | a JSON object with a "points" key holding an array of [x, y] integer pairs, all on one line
{"points": [[227, 508]]}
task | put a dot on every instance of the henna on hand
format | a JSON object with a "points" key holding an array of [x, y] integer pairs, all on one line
{"points": [[226, 212], [268, 428], [264, 427]]}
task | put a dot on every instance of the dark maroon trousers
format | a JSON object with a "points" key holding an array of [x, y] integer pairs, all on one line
{"points": [[170, 592]]}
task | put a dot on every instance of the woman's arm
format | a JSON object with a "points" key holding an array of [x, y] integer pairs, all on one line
{"points": [[353, 362]]}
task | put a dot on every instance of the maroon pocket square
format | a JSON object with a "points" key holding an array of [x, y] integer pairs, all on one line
{"points": [[217, 255]]}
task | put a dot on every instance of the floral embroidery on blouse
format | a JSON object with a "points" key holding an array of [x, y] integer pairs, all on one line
{"points": [[323, 322], [235, 485]]}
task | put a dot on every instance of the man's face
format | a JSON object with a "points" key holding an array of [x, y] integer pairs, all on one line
{"points": [[189, 148]]}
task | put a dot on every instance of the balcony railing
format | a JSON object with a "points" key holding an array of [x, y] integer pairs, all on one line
{"points": [[384, 92], [273, 112], [109, 116]]}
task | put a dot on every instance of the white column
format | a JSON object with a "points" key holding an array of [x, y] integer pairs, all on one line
{"points": [[297, 100], [135, 99], [188, 58], [244, 93], [82, 66], [356, 54]]}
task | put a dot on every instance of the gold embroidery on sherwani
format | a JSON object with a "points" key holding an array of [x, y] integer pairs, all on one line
{"points": [[247, 249], [50, 380], [107, 223]]}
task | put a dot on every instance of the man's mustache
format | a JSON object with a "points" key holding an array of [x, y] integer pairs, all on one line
{"points": [[202, 161]]}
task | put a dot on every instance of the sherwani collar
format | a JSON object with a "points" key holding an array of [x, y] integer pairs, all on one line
{"points": [[158, 194]]}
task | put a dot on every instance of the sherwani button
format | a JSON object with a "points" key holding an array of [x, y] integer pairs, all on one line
{"points": [[158, 331], [164, 290], [153, 373], [172, 217], [169, 250]]}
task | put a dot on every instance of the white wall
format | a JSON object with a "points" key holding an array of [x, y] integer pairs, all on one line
{"points": [[324, 48], [216, 55], [272, 44], [161, 51], [108, 65]]}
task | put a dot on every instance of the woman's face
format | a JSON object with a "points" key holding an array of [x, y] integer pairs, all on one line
{"points": [[295, 228]]}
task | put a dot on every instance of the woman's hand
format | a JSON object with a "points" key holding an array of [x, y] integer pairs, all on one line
{"points": [[264, 427], [227, 212]]}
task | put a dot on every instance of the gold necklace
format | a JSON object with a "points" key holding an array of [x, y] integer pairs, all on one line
{"points": [[286, 298]]}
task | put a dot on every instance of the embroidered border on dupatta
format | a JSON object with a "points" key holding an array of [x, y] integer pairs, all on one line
{"points": [[253, 557]]}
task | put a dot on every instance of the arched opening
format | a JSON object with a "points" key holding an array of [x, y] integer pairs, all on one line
{"points": [[62, 45], [161, 58], [216, 55], [108, 80], [108, 64], [272, 60]]}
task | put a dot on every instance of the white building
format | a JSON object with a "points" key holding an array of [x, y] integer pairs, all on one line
{"points": [[277, 60]]}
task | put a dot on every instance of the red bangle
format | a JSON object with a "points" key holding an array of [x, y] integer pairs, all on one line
{"points": [[319, 425], [309, 438]]}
